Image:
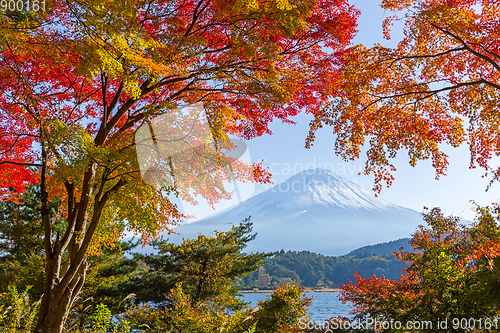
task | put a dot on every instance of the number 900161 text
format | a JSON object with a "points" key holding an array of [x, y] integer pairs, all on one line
{"points": [[22, 5]]}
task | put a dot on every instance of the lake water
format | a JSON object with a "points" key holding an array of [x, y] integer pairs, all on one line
{"points": [[324, 305]]}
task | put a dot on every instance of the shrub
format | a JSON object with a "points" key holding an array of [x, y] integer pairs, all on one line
{"points": [[17, 313]]}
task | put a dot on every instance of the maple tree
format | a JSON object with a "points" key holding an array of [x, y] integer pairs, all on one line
{"points": [[439, 85], [22, 256], [453, 273], [78, 80]]}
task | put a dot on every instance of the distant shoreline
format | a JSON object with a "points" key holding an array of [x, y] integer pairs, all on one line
{"points": [[333, 290]]}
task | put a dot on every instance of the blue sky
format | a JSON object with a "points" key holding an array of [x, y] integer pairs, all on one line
{"points": [[414, 187]]}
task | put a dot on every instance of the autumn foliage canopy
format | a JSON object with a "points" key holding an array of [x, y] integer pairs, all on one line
{"points": [[77, 80], [439, 86], [453, 273]]}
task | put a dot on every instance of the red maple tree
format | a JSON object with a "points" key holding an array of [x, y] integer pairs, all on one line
{"points": [[452, 273], [439, 86], [78, 80]]}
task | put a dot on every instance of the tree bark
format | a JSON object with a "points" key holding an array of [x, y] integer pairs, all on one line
{"points": [[60, 300], [64, 281], [62, 286]]}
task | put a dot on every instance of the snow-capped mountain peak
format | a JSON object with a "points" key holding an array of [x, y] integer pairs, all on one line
{"points": [[320, 187], [314, 210]]}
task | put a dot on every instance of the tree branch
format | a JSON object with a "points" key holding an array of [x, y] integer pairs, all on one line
{"points": [[116, 99], [21, 164], [70, 189], [434, 92], [80, 255], [196, 15], [104, 88], [467, 47], [427, 55]]}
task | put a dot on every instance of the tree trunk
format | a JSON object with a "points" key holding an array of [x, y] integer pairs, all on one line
{"points": [[65, 280], [62, 284], [56, 307]]}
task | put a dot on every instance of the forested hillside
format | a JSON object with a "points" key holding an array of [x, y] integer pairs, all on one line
{"points": [[313, 270], [382, 248]]}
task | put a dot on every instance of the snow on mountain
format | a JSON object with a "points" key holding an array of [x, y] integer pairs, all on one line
{"points": [[315, 187], [314, 210]]}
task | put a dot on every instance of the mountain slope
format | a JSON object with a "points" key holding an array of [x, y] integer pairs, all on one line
{"points": [[382, 248], [314, 210]]}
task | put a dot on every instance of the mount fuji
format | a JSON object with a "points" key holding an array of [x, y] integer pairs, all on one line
{"points": [[314, 210]]}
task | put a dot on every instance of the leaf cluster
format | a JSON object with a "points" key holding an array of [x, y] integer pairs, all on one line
{"points": [[452, 273], [438, 86]]}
